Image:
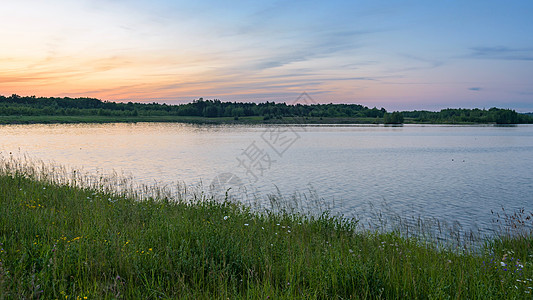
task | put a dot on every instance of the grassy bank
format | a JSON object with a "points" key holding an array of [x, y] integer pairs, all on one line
{"points": [[114, 119], [65, 242], [183, 119], [205, 120]]}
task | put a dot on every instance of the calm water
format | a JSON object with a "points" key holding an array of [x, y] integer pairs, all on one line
{"points": [[450, 172]]}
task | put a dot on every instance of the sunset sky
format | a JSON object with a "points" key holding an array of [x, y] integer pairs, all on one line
{"points": [[394, 54]]}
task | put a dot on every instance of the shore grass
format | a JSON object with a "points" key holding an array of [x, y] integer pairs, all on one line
{"points": [[76, 241], [122, 119], [181, 119], [45, 119]]}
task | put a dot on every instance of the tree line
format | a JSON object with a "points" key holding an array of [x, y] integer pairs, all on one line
{"points": [[476, 115], [17, 105], [38, 106]]}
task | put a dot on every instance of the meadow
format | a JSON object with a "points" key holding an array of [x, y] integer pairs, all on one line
{"points": [[64, 235]]}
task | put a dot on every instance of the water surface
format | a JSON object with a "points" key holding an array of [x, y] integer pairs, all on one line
{"points": [[450, 172]]}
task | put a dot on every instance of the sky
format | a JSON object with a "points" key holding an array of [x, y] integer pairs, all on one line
{"points": [[400, 55]]}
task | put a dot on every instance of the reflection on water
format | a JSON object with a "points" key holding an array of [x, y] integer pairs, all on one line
{"points": [[449, 172]]}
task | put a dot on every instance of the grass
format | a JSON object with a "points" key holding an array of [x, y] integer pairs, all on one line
{"points": [[181, 119], [53, 119], [111, 119], [45, 119], [80, 238]]}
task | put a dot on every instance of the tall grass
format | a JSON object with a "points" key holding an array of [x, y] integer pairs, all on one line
{"points": [[66, 235]]}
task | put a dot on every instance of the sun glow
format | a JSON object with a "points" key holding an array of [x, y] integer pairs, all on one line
{"points": [[337, 52]]}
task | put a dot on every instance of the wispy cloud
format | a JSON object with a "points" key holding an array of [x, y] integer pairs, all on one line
{"points": [[416, 63], [270, 50], [500, 52]]}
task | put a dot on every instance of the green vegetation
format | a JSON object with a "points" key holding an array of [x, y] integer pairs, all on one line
{"points": [[206, 109], [16, 109], [394, 118], [86, 240], [458, 116]]}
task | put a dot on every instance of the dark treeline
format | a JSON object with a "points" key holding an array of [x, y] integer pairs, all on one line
{"points": [[17, 105], [476, 115], [38, 106]]}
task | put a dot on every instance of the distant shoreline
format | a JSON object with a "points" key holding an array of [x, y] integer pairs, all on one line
{"points": [[27, 110], [254, 120]]}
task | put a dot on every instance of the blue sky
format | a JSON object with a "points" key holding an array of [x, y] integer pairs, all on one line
{"points": [[393, 54]]}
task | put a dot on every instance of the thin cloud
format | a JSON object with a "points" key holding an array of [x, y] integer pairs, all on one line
{"points": [[422, 63], [474, 89], [322, 44], [503, 53]]}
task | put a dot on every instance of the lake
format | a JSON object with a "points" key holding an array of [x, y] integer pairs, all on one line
{"points": [[453, 173]]}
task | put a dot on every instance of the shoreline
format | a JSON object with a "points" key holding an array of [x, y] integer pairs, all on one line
{"points": [[12, 120], [61, 241]]}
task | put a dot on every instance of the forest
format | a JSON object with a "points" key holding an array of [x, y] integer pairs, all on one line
{"points": [[16, 105]]}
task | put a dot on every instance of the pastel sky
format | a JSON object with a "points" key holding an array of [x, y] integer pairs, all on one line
{"points": [[394, 54]]}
